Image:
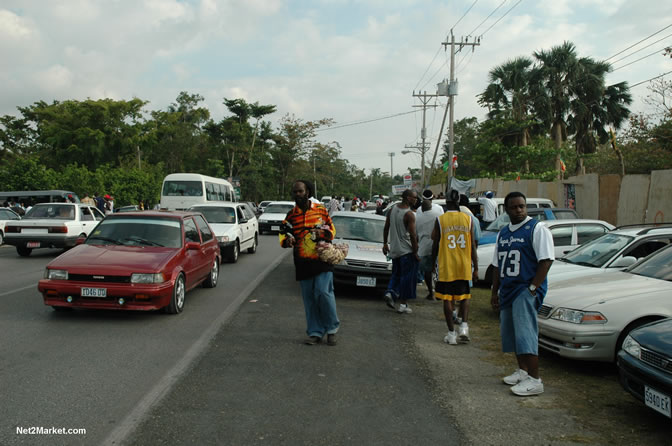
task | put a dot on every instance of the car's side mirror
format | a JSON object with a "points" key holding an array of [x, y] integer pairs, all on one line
{"points": [[193, 246], [623, 262], [242, 220]]}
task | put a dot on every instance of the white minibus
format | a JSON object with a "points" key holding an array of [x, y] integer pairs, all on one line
{"points": [[181, 191]]}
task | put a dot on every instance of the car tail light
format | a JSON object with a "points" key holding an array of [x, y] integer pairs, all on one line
{"points": [[12, 229], [58, 229]]}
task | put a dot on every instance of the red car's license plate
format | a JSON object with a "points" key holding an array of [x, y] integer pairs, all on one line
{"points": [[94, 292]]}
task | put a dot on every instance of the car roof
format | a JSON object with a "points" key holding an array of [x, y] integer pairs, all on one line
{"points": [[282, 202], [218, 204], [644, 229], [574, 221], [154, 214], [350, 214]]}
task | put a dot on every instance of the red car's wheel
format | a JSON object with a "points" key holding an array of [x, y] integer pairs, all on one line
{"points": [[177, 301]]}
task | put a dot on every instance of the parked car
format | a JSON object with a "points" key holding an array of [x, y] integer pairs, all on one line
{"points": [[567, 235], [275, 212], [613, 251], [590, 318], [489, 235], [6, 215], [235, 227], [263, 204], [365, 265], [129, 208], [52, 225], [645, 365], [135, 261], [255, 209]]}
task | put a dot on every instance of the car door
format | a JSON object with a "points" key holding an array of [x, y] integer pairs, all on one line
{"points": [[250, 224], [209, 245], [194, 258], [87, 220], [243, 226]]}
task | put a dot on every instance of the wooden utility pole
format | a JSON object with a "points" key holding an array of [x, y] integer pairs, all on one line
{"points": [[424, 98], [452, 92]]}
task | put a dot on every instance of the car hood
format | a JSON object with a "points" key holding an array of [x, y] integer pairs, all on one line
{"points": [[223, 228], [362, 250], [272, 217], [595, 289], [656, 336], [112, 259], [561, 271], [487, 237]]}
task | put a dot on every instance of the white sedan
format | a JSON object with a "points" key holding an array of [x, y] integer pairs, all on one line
{"points": [[589, 319], [6, 215], [567, 235]]}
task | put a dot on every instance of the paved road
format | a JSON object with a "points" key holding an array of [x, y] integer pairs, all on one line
{"points": [[92, 369], [259, 384]]}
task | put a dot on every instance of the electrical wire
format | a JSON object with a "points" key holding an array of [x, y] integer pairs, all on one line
{"points": [[350, 124], [428, 67], [641, 58], [641, 49], [656, 77], [463, 15], [637, 43], [479, 25], [491, 26]]}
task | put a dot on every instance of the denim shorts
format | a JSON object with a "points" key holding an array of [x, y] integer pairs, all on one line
{"points": [[518, 325]]}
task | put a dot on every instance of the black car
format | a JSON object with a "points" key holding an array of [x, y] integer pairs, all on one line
{"points": [[645, 365]]}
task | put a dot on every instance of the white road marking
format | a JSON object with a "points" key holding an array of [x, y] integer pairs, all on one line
{"points": [[7, 293]]}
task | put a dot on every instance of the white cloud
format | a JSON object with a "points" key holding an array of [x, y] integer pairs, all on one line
{"points": [[13, 27], [54, 80]]}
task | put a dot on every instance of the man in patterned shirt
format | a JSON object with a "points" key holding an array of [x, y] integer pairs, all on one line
{"points": [[306, 224]]}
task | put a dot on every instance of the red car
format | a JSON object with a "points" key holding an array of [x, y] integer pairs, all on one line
{"points": [[135, 261]]}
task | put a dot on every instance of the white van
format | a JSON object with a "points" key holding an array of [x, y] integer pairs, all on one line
{"points": [[532, 203], [181, 191]]}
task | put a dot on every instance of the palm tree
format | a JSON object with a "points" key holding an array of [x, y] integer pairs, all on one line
{"points": [[509, 93], [594, 107]]}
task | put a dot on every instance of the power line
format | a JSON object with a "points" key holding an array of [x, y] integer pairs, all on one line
{"points": [[428, 67], [463, 15], [641, 49], [366, 121], [500, 18], [637, 43], [641, 58], [642, 82], [479, 25]]}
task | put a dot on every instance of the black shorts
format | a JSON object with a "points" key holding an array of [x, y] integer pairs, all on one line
{"points": [[455, 288]]}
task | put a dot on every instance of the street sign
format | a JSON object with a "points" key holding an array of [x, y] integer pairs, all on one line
{"points": [[408, 179], [399, 189]]}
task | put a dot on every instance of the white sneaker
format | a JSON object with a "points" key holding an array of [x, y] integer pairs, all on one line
{"points": [[404, 308], [451, 338], [464, 333], [515, 377], [389, 301], [529, 386]]}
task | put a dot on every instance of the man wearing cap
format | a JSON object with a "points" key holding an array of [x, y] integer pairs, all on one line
{"points": [[489, 209], [425, 218]]}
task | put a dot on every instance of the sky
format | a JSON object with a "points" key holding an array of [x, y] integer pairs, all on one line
{"points": [[357, 62]]}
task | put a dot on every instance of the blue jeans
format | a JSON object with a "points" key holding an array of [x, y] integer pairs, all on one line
{"points": [[320, 304], [404, 280]]}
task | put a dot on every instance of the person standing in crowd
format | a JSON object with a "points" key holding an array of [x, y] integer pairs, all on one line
{"points": [[379, 205], [100, 202], [523, 255], [400, 231], [109, 205], [305, 225], [88, 200], [455, 246], [334, 205], [489, 209], [425, 220]]}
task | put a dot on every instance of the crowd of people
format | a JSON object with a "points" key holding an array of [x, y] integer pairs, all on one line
{"points": [[423, 241]]}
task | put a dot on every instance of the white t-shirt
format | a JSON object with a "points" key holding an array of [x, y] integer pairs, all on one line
{"points": [[542, 241], [489, 208], [424, 225]]}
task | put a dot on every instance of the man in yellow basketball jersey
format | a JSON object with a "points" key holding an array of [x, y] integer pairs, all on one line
{"points": [[454, 244]]}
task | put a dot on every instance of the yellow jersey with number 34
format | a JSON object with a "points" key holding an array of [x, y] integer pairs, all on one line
{"points": [[455, 247]]}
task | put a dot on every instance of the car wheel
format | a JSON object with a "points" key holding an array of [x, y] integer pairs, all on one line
{"points": [[234, 252], [253, 248], [177, 300], [2, 238], [211, 281], [23, 251]]}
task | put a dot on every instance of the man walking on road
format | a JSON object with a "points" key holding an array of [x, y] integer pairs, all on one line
{"points": [[400, 231], [304, 226], [425, 221], [455, 245], [523, 255]]}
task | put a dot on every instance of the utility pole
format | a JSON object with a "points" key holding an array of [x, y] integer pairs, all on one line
{"points": [[424, 98], [452, 92], [391, 155]]}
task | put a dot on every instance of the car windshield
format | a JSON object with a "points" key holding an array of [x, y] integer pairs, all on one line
{"points": [[597, 252], [354, 228], [55, 211], [223, 214], [278, 208], [158, 232], [656, 266]]}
